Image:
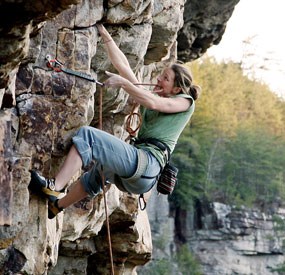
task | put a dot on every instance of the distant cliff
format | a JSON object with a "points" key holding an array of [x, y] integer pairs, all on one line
{"points": [[41, 109], [224, 239]]}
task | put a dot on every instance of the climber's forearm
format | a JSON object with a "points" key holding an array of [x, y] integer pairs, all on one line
{"points": [[116, 56]]}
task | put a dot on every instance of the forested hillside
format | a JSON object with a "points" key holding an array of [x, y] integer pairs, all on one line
{"points": [[233, 150]]}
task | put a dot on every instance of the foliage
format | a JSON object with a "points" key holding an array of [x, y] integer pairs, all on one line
{"points": [[233, 150], [252, 169], [279, 223], [280, 269], [187, 263], [161, 242], [183, 263], [160, 267]]}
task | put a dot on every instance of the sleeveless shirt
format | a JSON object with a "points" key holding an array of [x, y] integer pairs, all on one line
{"points": [[166, 127]]}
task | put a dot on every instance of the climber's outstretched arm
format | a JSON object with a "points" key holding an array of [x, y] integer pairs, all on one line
{"points": [[116, 56]]}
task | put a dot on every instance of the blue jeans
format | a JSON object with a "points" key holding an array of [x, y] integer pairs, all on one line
{"points": [[116, 157]]}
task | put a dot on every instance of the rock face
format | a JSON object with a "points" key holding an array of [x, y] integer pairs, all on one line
{"points": [[204, 26], [41, 109], [236, 240]]}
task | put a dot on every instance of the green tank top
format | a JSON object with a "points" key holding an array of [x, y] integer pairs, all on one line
{"points": [[166, 127]]}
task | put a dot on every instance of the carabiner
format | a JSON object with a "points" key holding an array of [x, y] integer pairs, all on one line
{"points": [[54, 64]]}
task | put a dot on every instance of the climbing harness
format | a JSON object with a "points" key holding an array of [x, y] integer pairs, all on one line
{"points": [[156, 143], [57, 66]]}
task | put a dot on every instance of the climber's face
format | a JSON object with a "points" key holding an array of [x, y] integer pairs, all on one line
{"points": [[165, 83]]}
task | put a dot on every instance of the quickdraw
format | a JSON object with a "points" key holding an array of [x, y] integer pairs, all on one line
{"points": [[57, 66]]}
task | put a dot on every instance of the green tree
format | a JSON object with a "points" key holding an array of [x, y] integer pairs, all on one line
{"points": [[187, 263], [251, 169]]}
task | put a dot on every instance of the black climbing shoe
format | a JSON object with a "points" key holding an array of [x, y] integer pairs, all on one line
{"points": [[46, 189], [53, 209]]}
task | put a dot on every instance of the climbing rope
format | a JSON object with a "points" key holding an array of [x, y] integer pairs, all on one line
{"points": [[103, 184], [132, 118]]}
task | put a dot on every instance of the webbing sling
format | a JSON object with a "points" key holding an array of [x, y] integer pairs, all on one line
{"points": [[141, 167]]}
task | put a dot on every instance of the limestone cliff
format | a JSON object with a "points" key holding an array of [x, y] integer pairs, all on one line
{"points": [[235, 240], [224, 239], [41, 109]]}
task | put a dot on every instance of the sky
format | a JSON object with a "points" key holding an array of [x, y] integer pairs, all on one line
{"points": [[261, 23]]}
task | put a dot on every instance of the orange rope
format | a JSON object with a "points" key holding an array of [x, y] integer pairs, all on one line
{"points": [[103, 184], [132, 132], [131, 120], [135, 115]]}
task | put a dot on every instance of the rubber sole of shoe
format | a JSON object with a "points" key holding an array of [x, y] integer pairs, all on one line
{"points": [[53, 210], [44, 192]]}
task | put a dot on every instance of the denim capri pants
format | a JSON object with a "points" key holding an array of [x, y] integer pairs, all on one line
{"points": [[116, 157]]}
